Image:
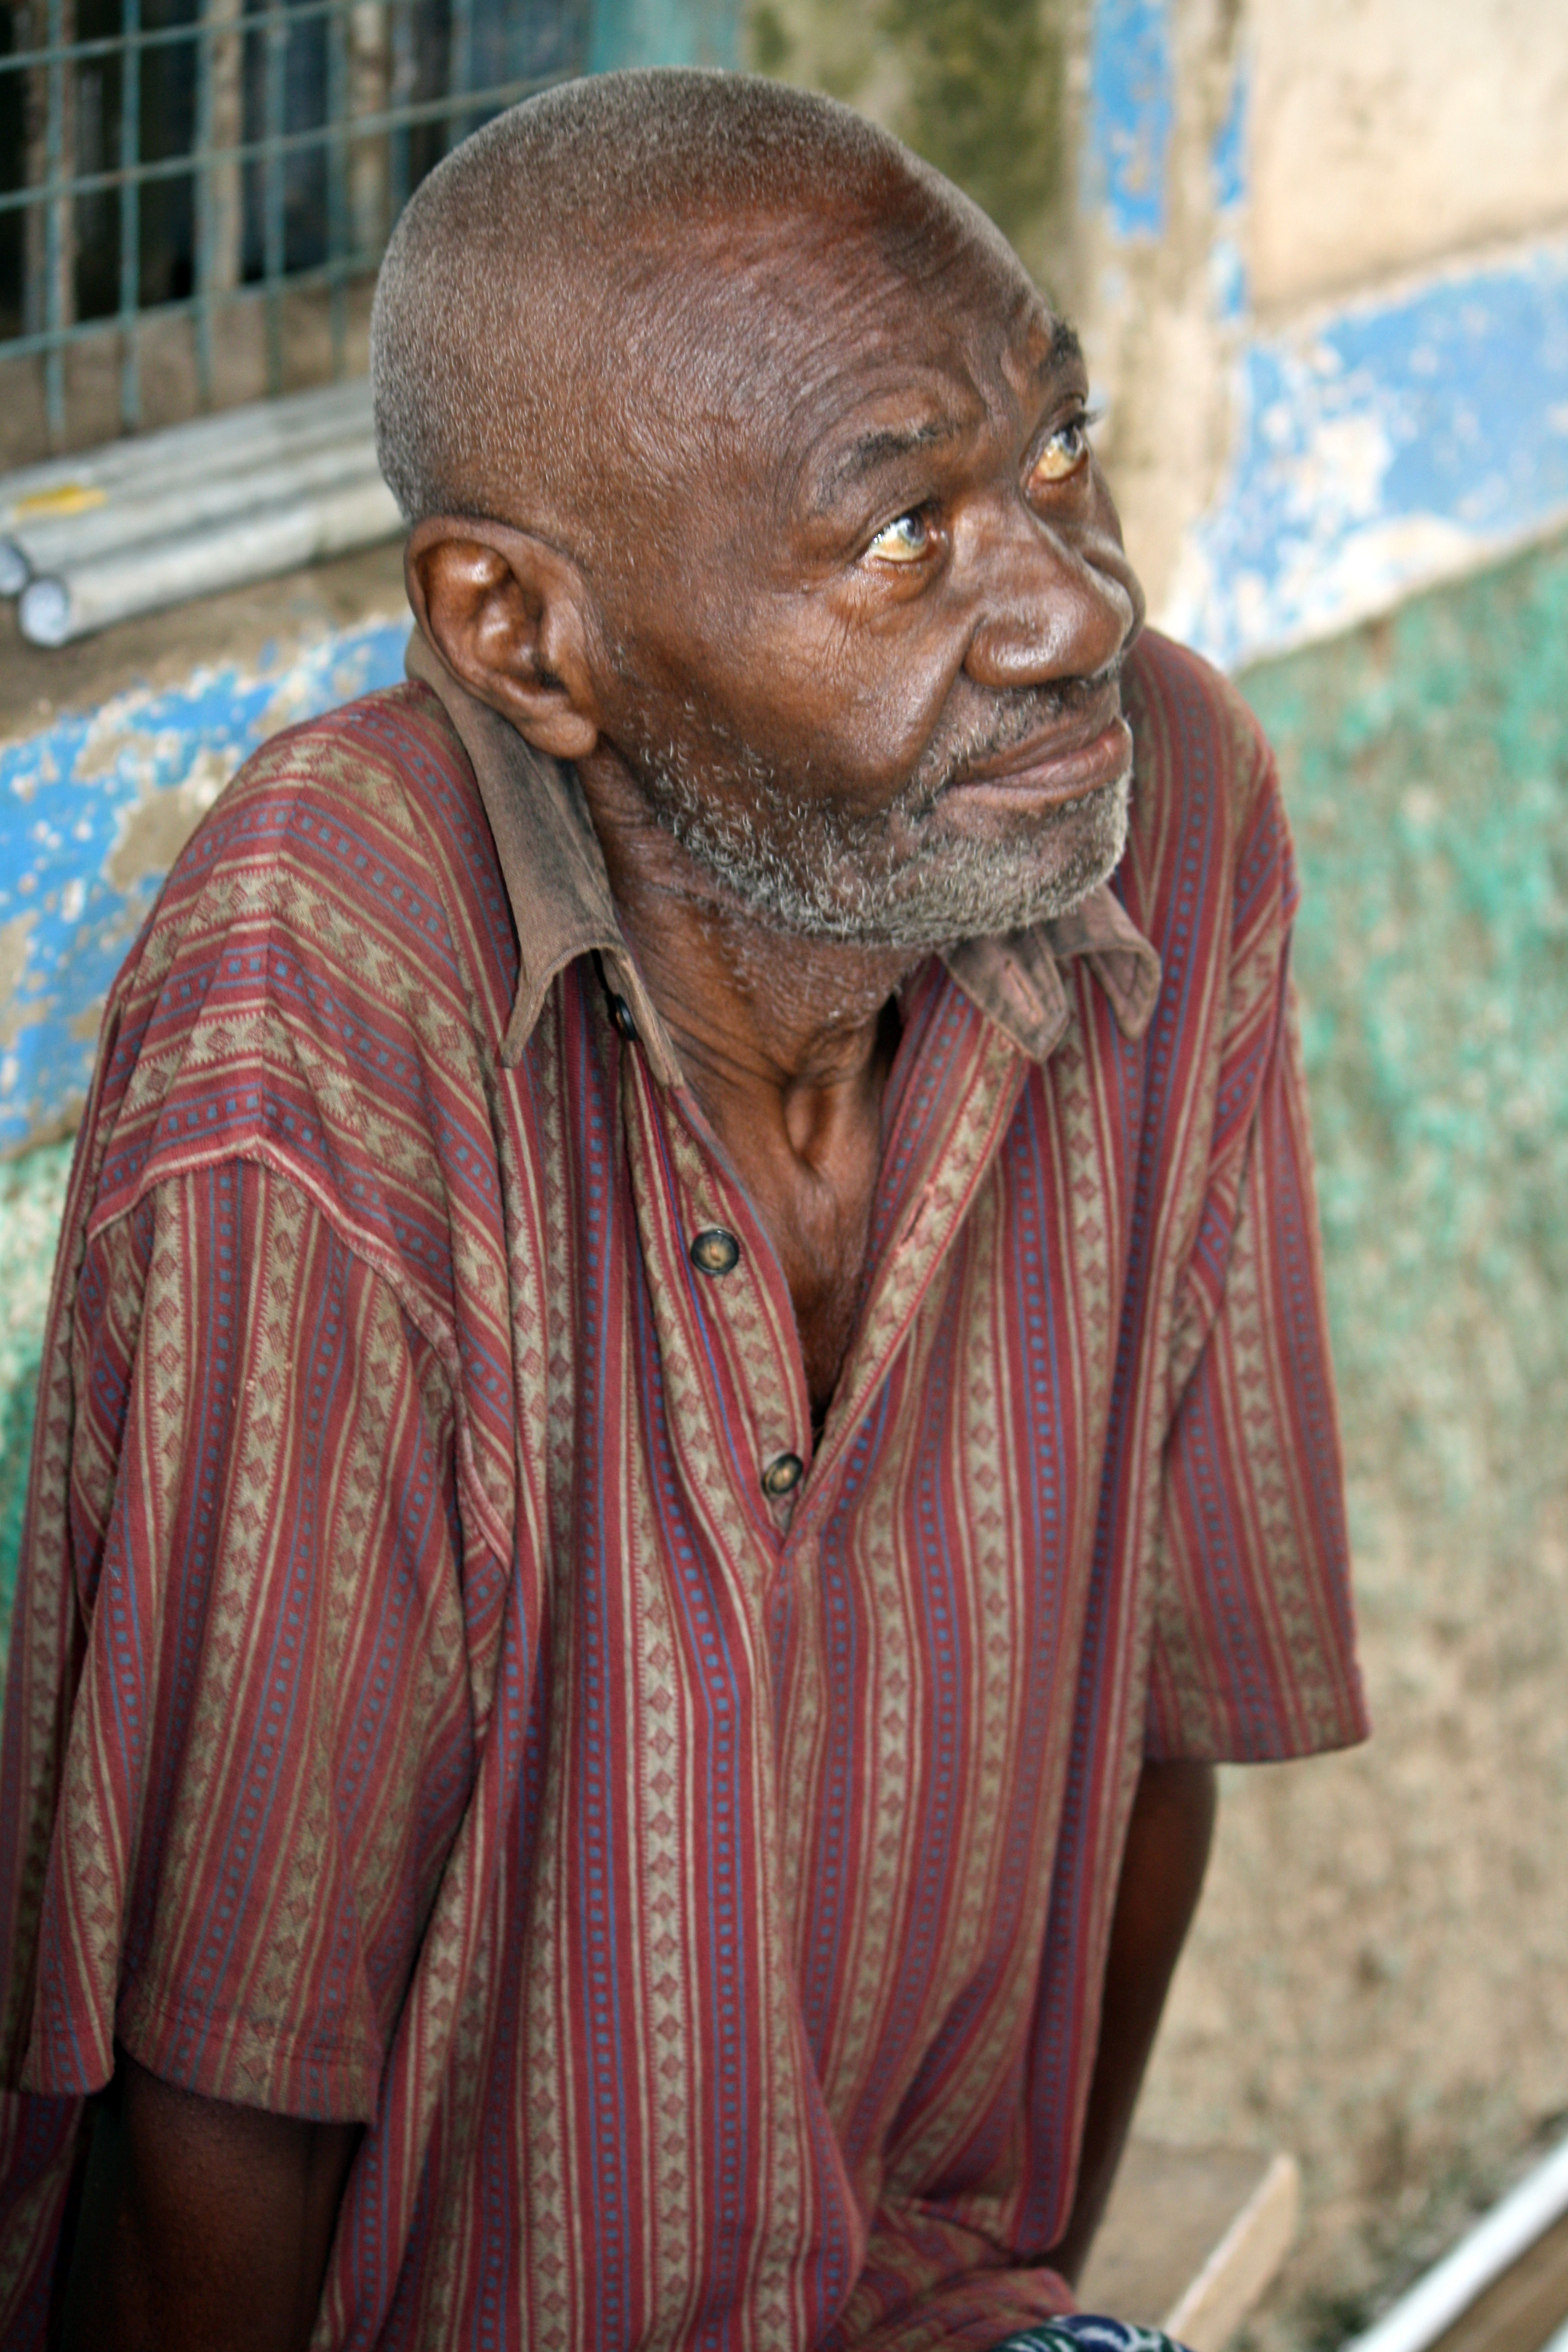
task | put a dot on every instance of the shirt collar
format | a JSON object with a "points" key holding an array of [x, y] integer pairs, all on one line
{"points": [[559, 889]]}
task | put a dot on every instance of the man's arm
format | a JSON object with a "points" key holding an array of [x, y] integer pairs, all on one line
{"points": [[1161, 1875], [202, 2224]]}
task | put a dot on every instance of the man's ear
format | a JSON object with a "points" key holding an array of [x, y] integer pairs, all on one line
{"points": [[506, 612]]}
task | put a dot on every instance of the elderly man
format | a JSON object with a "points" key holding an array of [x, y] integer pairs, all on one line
{"points": [[686, 1396]]}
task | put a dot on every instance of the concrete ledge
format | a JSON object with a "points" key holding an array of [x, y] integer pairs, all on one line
{"points": [[252, 627], [1191, 2239]]}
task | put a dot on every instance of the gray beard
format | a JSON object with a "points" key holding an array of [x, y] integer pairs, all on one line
{"points": [[801, 865]]}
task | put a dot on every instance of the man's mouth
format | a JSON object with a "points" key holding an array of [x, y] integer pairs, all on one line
{"points": [[1064, 760]]}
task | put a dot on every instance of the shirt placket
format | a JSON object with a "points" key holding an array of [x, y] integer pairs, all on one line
{"points": [[931, 1177], [732, 1374], [732, 1352]]}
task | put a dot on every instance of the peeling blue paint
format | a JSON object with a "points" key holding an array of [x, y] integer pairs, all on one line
{"points": [[1391, 444], [1132, 114], [1227, 156], [93, 812], [1227, 180]]}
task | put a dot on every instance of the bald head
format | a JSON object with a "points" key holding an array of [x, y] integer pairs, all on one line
{"points": [[599, 273]]}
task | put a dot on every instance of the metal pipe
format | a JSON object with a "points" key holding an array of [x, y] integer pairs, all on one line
{"points": [[369, 93], [205, 562], [62, 542], [202, 194], [1482, 2254], [34, 167], [461, 66], [400, 94], [258, 433]]}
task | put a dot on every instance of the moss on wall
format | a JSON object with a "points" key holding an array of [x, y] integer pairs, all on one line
{"points": [[985, 101], [977, 87]]}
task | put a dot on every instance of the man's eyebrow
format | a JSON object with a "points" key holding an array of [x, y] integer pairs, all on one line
{"points": [[874, 450], [888, 444], [1066, 350]]}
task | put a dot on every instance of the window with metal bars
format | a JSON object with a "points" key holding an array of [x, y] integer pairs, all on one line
{"points": [[195, 193]]}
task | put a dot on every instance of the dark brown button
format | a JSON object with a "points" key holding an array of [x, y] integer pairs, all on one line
{"points": [[782, 1476], [713, 1250], [621, 1014]]}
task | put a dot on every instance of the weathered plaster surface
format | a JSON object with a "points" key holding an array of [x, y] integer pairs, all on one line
{"points": [[1391, 133], [1131, 116], [93, 809], [662, 32], [1397, 441], [1159, 292]]}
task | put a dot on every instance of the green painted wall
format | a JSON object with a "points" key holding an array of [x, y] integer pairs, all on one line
{"points": [[1378, 1975], [1425, 765]]}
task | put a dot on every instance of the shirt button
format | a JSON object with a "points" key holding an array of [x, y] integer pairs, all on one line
{"points": [[713, 1250], [782, 1476], [621, 1014]]}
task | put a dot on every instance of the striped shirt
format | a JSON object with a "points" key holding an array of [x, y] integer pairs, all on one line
{"points": [[424, 1709]]}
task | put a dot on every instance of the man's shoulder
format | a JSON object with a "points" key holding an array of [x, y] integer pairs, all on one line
{"points": [[358, 826], [329, 964], [1207, 821], [392, 757]]}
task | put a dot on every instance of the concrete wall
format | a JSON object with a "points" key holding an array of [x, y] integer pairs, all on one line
{"points": [[1390, 136], [116, 748], [1332, 315], [1336, 357]]}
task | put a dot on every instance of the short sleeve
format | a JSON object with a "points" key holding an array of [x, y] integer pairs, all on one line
{"points": [[270, 1739], [1253, 1645]]}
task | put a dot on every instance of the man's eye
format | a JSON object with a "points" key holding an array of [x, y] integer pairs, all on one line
{"points": [[904, 540], [1064, 453]]}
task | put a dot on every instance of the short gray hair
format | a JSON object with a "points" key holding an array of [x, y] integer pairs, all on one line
{"points": [[479, 329]]}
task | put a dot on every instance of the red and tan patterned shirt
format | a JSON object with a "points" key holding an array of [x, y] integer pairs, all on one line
{"points": [[422, 1711]]}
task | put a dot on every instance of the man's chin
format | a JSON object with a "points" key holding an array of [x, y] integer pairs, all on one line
{"points": [[946, 885], [972, 888]]}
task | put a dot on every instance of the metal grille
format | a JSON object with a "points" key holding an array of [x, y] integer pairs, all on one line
{"points": [[181, 160]]}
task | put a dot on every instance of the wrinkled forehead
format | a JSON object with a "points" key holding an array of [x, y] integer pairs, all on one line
{"points": [[757, 335]]}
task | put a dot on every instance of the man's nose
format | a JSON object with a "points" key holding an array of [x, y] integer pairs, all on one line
{"points": [[1050, 606]]}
